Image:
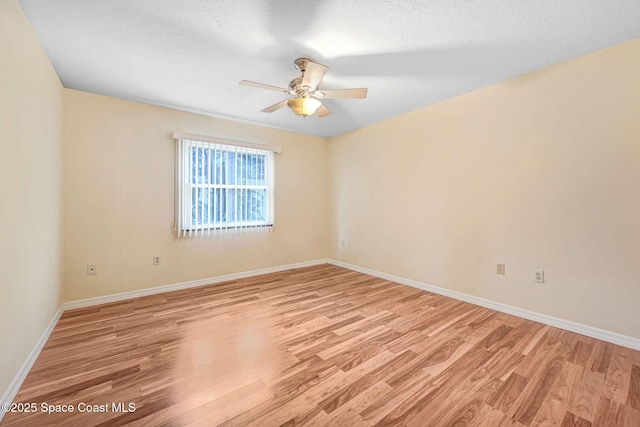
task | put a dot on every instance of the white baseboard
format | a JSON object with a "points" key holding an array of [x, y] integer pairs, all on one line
{"points": [[184, 285], [15, 385], [590, 331]]}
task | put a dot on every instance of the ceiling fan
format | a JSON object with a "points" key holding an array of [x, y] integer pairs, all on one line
{"points": [[305, 90]]}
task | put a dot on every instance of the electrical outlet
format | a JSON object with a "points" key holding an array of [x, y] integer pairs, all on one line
{"points": [[92, 269], [538, 276], [500, 269], [156, 260]]}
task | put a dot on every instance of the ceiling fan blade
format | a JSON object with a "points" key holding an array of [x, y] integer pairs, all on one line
{"points": [[263, 86], [313, 73], [323, 111], [275, 107], [359, 93]]}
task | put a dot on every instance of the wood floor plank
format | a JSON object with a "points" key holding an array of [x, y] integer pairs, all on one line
{"points": [[581, 353], [345, 414], [375, 410], [344, 395], [617, 379], [554, 407], [572, 420], [634, 387], [539, 380], [507, 393], [587, 395], [600, 357], [323, 346], [608, 414], [490, 417]]}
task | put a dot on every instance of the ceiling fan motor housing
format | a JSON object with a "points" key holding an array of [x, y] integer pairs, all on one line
{"points": [[305, 89], [301, 63], [295, 83]]}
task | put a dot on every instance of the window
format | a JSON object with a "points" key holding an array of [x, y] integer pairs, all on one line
{"points": [[222, 187]]}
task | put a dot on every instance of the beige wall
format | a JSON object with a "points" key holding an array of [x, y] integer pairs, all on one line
{"points": [[119, 199], [30, 190], [540, 172]]}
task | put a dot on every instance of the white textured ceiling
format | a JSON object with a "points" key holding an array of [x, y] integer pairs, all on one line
{"points": [[191, 54]]}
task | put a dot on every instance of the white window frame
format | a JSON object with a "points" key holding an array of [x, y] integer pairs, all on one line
{"points": [[185, 186]]}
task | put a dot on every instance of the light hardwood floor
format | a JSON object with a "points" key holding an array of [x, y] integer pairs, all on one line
{"points": [[324, 346]]}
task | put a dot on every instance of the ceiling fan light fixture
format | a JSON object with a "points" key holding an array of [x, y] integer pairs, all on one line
{"points": [[306, 91], [304, 106]]}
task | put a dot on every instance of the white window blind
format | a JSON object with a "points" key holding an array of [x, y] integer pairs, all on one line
{"points": [[222, 187]]}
